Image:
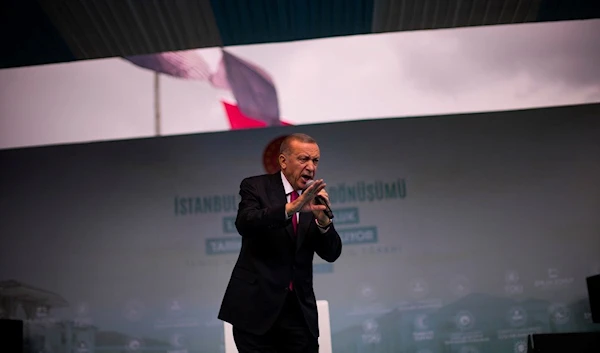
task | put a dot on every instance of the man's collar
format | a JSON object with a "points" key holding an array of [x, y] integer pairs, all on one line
{"points": [[286, 185]]}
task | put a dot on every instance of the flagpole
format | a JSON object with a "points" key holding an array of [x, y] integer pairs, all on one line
{"points": [[156, 103]]}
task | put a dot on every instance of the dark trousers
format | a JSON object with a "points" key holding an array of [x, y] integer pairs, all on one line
{"points": [[289, 334]]}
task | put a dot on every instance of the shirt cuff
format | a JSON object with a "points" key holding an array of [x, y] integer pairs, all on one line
{"points": [[321, 229]]}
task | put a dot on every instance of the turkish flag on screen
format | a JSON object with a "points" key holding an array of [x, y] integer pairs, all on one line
{"points": [[237, 119]]}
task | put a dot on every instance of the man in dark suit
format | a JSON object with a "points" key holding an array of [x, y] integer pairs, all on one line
{"points": [[270, 301]]}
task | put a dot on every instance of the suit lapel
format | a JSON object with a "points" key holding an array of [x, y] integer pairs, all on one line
{"points": [[277, 196], [303, 225]]}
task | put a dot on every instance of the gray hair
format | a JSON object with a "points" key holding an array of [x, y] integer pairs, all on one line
{"points": [[285, 144]]}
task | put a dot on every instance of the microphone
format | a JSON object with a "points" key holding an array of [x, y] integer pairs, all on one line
{"points": [[320, 200]]}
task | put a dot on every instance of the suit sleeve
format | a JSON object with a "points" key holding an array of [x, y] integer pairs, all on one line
{"points": [[252, 217], [328, 245]]}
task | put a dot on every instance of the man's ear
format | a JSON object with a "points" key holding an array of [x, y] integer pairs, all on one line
{"points": [[282, 161]]}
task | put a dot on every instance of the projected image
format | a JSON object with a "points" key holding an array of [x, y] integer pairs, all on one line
{"points": [[375, 76]]}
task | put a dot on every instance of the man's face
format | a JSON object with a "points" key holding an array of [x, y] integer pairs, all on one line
{"points": [[300, 165]]}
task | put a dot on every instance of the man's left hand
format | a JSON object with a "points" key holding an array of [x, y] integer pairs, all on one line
{"points": [[320, 215]]}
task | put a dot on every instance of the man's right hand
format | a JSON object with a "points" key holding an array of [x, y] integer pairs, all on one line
{"points": [[305, 202]]}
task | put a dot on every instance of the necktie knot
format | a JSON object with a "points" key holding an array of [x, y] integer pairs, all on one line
{"points": [[294, 195]]}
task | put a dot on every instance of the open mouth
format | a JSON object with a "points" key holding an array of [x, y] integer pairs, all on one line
{"points": [[306, 178]]}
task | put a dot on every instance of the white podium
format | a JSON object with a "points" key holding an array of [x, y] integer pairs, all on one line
{"points": [[324, 330]]}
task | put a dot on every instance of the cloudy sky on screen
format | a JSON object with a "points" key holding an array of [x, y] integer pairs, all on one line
{"points": [[344, 78]]}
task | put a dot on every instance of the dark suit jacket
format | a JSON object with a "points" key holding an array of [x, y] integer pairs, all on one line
{"points": [[271, 256]]}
